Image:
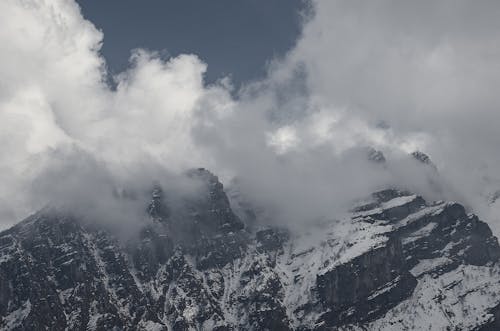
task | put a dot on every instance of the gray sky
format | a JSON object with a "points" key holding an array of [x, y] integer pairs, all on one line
{"points": [[233, 37]]}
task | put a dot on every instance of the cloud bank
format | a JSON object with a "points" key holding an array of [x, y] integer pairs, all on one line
{"points": [[390, 75]]}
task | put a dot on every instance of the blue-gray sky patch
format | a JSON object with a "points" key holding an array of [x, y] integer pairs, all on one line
{"points": [[235, 38]]}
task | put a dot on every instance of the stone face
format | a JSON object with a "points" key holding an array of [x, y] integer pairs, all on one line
{"points": [[423, 158], [451, 232], [494, 323], [157, 208], [271, 239], [375, 156], [349, 291], [397, 263]]}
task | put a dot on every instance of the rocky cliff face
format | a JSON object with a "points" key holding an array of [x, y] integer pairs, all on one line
{"points": [[397, 263]]}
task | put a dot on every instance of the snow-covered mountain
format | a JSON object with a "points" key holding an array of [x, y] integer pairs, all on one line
{"points": [[397, 262]]}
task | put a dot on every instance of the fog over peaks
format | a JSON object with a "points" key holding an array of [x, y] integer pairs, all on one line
{"points": [[394, 77]]}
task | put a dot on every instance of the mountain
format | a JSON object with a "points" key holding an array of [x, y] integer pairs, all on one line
{"points": [[397, 262]]}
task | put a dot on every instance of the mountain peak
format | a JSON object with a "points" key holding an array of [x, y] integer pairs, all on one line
{"points": [[396, 262], [423, 158]]}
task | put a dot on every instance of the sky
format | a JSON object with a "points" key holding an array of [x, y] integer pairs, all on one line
{"points": [[287, 123], [236, 38]]}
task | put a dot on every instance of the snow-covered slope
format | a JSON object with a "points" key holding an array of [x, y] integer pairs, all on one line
{"points": [[396, 263]]}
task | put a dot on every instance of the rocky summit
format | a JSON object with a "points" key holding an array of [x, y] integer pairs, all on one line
{"points": [[397, 262]]}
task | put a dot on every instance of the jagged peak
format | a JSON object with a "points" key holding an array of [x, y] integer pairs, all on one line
{"points": [[423, 158], [389, 194], [202, 173], [351, 271], [157, 208], [375, 155]]}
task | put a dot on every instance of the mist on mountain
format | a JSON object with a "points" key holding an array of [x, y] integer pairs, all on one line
{"points": [[296, 143]]}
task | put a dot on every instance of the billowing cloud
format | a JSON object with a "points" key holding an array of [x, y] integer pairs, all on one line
{"points": [[390, 75], [54, 101], [428, 69]]}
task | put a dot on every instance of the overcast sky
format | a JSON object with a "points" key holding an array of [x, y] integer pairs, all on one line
{"points": [[397, 76]]}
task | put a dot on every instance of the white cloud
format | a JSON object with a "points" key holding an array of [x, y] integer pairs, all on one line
{"points": [[53, 96], [295, 140]]}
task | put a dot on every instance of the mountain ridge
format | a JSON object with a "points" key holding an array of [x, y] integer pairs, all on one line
{"points": [[396, 263]]}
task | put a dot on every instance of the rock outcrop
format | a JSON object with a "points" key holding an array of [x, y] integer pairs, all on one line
{"points": [[397, 263]]}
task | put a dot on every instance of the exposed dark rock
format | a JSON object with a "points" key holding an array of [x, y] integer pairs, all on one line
{"points": [[158, 209], [271, 239], [367, 286], [423, 158], [493, 324], [376, 156], [200, 269]]}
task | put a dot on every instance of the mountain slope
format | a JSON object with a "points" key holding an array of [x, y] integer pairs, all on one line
{"points": [[397, 263]]}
